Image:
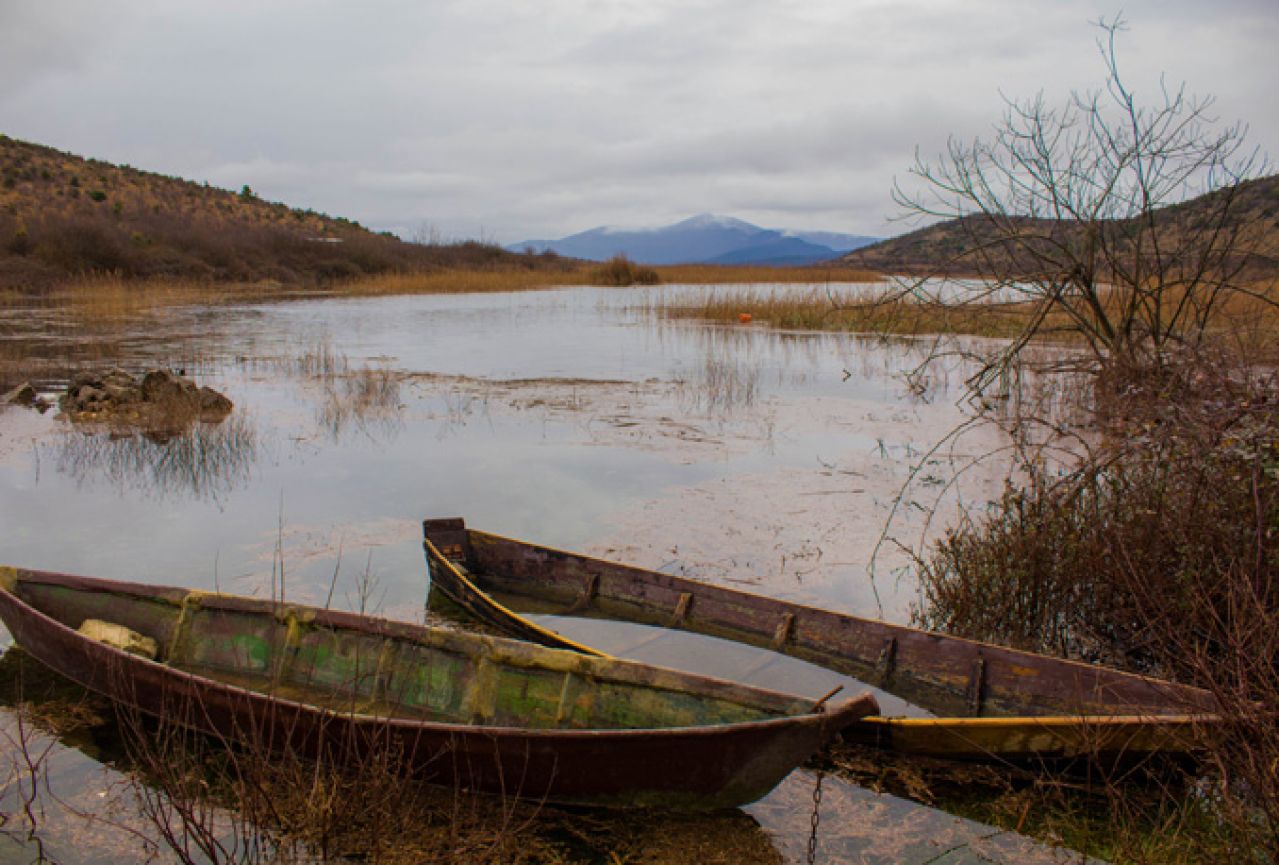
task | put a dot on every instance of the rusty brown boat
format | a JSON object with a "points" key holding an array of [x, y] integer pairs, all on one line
{"points": [[989, 702], [474, 711]]}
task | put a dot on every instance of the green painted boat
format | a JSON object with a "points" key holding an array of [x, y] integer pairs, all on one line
{"points": [[472, 711], [989, 702]]}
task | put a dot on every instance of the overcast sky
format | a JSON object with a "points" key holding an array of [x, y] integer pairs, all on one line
{"points": [[516, 120]]}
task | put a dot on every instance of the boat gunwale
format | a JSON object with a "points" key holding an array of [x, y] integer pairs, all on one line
{"points": [[387, 628], [551, 639], [1171, 719]]}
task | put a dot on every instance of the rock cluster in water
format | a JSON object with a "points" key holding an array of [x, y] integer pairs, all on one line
{"points": [[25, 394], [159, 398]]}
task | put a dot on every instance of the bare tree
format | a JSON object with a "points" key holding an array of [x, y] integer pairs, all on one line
{"points": [[1066, 212]]}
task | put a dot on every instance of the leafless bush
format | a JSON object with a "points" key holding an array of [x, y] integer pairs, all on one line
{"points": [[621, 271], [1144, 531], [1069, 212], [1159, 553]]}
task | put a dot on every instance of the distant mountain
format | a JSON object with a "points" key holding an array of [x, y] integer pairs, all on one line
{"points": [[703, 239]]}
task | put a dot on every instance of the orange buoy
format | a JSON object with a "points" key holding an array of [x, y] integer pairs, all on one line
{"points": [[744, 317]]}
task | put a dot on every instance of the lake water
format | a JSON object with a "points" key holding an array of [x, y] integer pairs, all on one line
{"points": [[578, 418]]}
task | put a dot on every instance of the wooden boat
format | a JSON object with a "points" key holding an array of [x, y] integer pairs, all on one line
{"points": [[480, 712], [990, 702]]}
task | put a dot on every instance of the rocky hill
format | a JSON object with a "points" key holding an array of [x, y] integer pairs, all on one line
{"points": [[62, 215], [973, 244]]}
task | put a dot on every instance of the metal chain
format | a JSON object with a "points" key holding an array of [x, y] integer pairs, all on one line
{"points": [[816, 817]]}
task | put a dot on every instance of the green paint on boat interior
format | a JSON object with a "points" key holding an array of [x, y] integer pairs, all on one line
{"points": [[436, 676]]}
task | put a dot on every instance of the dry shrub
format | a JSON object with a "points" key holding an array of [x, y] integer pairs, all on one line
{"points": [[1182, 491], [621, 271], [1159, 554]]}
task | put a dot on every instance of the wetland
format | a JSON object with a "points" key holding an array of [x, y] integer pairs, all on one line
{"points": [[578, 417]]}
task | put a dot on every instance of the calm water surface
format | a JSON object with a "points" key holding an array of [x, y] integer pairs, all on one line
{"points": [[525, 412]]}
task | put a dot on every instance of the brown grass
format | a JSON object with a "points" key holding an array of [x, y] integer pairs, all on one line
{"points": [[1249, 319], [104, 298], [462, 282], [713, 274], [826, 309]]}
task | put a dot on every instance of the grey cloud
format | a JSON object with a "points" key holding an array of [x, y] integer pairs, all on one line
{"points": [[548, 118]]}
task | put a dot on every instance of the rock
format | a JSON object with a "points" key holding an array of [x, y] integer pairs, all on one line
{"points": [[121, 394], [23, 394], [214, 403], [119, 378], [160, 385], [89, 396], [160, 399]]}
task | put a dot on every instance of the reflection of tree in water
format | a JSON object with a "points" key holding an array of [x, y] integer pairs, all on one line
{"points": [[206, 461]]}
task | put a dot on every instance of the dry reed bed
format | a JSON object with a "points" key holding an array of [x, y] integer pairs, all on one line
{"points": [[1249, 319]]}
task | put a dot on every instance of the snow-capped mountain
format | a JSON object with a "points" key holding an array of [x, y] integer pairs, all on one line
{"points": [[706, 238]]}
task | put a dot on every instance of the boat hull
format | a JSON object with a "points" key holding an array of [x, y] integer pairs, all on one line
{"points": [[994, 703], [699, 767]]}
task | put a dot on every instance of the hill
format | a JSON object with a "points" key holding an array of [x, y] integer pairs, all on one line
{"points": [[953, 246], [704, 239], [62, 215]]}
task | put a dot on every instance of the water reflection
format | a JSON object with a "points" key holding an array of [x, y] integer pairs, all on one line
{"points": [[720, 387], [367, 401], [73, 791], [205, 462], [75, 794], [554, 415], [857, 826]]}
